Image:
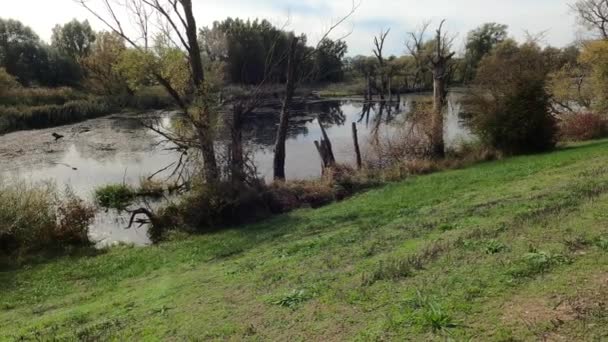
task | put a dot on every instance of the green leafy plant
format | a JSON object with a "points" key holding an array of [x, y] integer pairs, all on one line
{"points": [[495, 247], [293, 299]]}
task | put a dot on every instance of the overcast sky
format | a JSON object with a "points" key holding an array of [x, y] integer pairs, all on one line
{"points": [[314, 16]]}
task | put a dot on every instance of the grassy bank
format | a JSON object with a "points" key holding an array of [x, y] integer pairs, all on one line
{"points": [[509, 250]]}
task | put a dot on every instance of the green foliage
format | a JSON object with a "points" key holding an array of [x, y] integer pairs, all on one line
{"points": [[328, 61], [495, 247], [480, 42], [510, 105], [21, 52], [102, 65], [114, 196], [74, 39]]}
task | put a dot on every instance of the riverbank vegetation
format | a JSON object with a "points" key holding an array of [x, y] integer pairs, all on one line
{"points": [[37, 218], [457, 254]]}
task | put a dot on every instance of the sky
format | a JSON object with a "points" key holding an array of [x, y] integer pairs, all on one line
{"points": [[313, 17]]}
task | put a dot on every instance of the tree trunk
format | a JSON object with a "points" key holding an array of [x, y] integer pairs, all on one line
{"points": [[439, 96], [237, 162], [204, 116], [357, 149], [290, 86]]}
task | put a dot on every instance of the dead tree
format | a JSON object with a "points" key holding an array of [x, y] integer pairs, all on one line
{"points": [[440, 68], [356, 145], [177, 17], [290, 86], [378, 50], [438, 61], [325, 149], [593, 14], [415, 46], [292, 82]]}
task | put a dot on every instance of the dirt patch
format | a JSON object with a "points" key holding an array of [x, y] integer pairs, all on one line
{"points": [[547, 315]]}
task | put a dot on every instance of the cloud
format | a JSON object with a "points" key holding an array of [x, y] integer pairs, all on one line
{"points": [[313, 17]]}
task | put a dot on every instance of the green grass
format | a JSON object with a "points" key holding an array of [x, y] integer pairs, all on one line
{"points": [[526, 258]]}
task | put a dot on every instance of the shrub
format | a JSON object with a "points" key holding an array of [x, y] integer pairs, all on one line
{"points": [[114, 196], [74, 217], [7, 82], [509, 108], [583, 126], [209, 207], [36, 217]]}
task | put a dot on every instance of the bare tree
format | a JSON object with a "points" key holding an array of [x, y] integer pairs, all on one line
{"points": [[438, 60], [415, 46], [294, 61], [593, 14], [290, 87], [175, 19], [378, 50]]}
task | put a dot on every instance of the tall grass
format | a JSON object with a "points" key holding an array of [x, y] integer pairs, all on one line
{"points": [[42, 108], [34, 217]]}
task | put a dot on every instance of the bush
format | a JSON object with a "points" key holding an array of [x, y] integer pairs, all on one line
{"points": [[7, 82], [510, 106], [37, 217], [73, 219], [210, 207], [583, 126]]}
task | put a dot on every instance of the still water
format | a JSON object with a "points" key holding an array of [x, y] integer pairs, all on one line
{"points": [[117, 149]]}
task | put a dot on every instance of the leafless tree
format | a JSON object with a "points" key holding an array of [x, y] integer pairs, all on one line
{"points": [[441, 70], [415, 45], [438, 60], [593, 14], [292, 81], [378, 50]]}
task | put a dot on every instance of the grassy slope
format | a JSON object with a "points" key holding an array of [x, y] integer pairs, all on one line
{"points": [[442, 255]]}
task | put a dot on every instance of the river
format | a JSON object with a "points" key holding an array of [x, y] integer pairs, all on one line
{"points": [[117, 149]]}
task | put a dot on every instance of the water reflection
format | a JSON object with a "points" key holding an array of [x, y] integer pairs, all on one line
{"points": [[117, 149]]}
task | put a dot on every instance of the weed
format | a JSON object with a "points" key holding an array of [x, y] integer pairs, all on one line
{"points": [[495, 247], [537, 262], [293, 299], [602, 243], [391, 269]]}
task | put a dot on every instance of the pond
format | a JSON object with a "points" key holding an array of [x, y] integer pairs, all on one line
{"points": [[117, 149]]}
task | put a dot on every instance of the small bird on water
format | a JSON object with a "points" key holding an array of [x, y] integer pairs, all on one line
{"points": [[57, 136]]}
